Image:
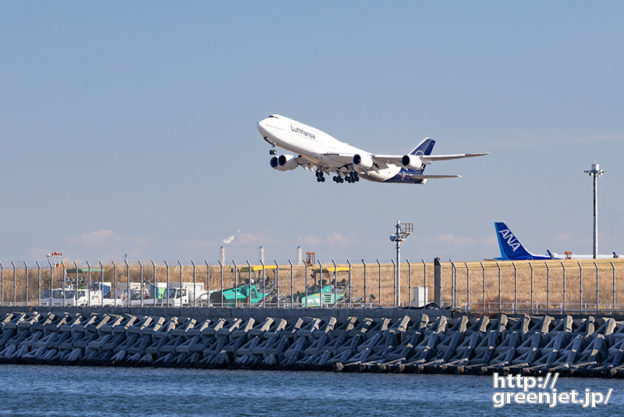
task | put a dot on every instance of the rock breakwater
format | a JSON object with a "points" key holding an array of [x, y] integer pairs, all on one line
{"points": [[532, 345]]}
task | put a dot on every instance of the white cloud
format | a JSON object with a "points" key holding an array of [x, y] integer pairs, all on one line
{"points": [[105, 243], [338, 240], [311, 240], [450, 238], [253, 238], [243, 239], [96, 239]]}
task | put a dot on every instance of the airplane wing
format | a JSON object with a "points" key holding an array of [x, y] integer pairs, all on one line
{"points": [[384, 160], [339, 160], [379, 161], [329, 161], [304, 163], [431, 158]]}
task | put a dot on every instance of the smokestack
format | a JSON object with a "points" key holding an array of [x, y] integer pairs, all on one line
{"points": [[261, 254], [299, 256], [222, 250]]}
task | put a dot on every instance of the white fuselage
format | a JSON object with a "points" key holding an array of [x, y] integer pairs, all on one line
{"points": [[315, 145], [556, 255]]}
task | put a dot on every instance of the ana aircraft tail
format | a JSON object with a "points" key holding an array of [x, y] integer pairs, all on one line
{"points": [[510, 246]]}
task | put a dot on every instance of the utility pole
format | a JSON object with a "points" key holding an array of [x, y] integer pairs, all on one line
{"points": [[403, 230], [595, 172]]}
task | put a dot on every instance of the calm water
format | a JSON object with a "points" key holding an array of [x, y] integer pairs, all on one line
{"points": [[94, 391]]}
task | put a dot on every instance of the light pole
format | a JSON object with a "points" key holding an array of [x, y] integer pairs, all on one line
{"points": [[403, 230], [595, 172]]}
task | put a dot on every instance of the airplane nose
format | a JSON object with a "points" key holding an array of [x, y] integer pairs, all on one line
{"points": [[262, 127]]}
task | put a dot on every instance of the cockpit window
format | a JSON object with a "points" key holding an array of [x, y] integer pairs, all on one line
{"points": [[272, 115]]}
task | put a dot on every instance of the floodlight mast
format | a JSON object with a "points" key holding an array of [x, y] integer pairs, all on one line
{"points": [[403, 230], [595, 172]]}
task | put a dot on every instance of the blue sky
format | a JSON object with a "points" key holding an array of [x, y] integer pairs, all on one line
{"points": [[130, 128]]}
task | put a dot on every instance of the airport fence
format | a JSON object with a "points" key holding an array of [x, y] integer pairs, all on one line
{"points": [[567, 286]]}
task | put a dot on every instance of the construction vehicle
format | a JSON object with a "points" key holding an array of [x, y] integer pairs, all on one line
{"points": [[333, 292], [330, 298], [241, 295]]}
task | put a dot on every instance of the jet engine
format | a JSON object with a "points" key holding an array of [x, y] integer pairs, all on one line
{"points": [[287, 162], [412, 162], [283, 162], [363, 161]]}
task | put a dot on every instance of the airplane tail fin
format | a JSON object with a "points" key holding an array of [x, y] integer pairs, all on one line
{"points": [[424, 148], [510, 246]]}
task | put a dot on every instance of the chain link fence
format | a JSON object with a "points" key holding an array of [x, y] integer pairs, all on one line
{"points": [[568, 286]]}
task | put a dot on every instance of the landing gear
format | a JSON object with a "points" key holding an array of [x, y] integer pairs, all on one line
{"points": [[352, 177], [319, 176], [272, 151]]}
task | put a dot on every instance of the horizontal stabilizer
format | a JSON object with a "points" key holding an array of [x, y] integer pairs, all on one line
{"points": [[426, 177], [432, 158]]}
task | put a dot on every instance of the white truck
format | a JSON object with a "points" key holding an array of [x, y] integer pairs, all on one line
{"points": [[83, 297], [51, 298], [72, 297], [114, 300], [174, 296]]}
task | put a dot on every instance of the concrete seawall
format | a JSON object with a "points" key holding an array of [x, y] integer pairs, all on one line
{"points": [[378, 340]]}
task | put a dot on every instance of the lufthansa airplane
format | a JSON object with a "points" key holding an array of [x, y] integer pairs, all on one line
{"points": [[318, 151]]}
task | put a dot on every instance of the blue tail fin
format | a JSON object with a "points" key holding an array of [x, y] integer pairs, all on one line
{"points": [[409, 175], [510, 246], [424, 148]]}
